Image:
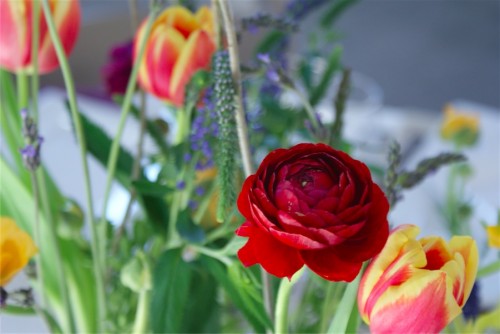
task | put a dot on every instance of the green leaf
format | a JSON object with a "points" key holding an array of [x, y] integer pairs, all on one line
{"points": [[155, 189], [171, 282], [202, 301], [332, 66], [187, 229], [242, 291], [269, 42], [99, 145], [17, 202], [332, 13]]}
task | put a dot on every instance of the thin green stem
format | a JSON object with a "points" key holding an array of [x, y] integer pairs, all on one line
{"points": [[22, 90], [284, 290], [38, 241], [232, 47], [327, 303], [70, 89], [489, 269], [63, 282], [34, 58], [308, 107], [242, 129], [127, 102], [142, 313]]}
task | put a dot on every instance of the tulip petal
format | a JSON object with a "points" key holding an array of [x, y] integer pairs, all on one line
{"points": [[391, 266], [275, 257], [194, 56], [16, 248], [67, 18], [15, 44], [178, 18], [327, 264], [466, 246], [400, 308]]}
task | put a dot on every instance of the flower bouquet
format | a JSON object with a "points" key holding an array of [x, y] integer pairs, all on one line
{"points": [[255, 214]]}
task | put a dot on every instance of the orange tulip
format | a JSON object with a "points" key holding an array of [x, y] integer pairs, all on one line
{"points": [[180, 43], [417, 286], [16, 34], [16, 248]]}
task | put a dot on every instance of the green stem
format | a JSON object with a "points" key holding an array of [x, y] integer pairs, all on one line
{"points": [[281, 314], [243, 139], [142, 313], [308, 107], [38, 241], [115, 147], [70, 89], [489, 269], [22, 90], [34, 58], [331, 291], [63, 282], [183, 117]]}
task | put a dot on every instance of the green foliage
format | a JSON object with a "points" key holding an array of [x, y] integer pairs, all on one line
{"points": [[99, 145], [242, 291], [428, 166], [340, 105], [181, 291], [17, 202], [332, 65], [333, 13]]}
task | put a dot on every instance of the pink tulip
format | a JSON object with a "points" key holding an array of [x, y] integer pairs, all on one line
{"points": [[16, 34], [417, 286]]}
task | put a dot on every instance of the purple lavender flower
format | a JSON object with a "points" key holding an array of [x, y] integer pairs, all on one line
{"points": [[204, 128], [116, 71]]}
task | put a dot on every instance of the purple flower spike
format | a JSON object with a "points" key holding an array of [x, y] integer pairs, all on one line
{"points": [[264, 57]]}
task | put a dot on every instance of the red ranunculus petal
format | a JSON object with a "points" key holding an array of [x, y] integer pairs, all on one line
{"points": [[373, 235], [243, 201], [276, 258], [327, 264]]}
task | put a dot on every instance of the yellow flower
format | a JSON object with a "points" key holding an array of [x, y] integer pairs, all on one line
{"points": [[459, 127], [16, 248], [493, 236]]}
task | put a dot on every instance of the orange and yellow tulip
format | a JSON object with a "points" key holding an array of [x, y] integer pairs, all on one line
{"points": [[16, 34], [180, 43], [417, 286], [16, 248]]}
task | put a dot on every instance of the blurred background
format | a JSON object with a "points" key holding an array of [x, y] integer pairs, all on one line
{"points": [[421, 53]]}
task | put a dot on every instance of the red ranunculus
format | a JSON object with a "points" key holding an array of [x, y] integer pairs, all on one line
{"points": [[312, 205]]}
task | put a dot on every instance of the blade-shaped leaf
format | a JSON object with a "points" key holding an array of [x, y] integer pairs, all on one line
{"points": [[241, 291], [171, 282]]}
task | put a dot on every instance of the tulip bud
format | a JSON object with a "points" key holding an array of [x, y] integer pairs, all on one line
{"points": [[417, 286], [16, 248], [16, 34], [180, 43], [459, 127]]}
